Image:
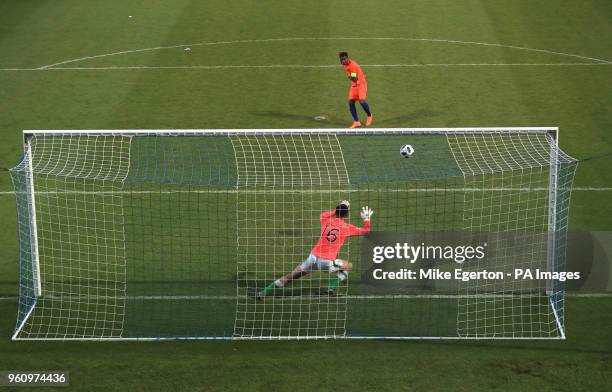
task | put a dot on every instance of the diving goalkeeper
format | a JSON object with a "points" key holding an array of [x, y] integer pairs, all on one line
{"points": [[334, 231]]}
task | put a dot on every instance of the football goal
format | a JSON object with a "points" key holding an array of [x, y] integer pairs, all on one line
{"points": [[187, 234]]}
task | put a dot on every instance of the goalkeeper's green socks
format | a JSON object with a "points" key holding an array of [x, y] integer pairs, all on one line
{"points": [[269, 288], [341, 276]]}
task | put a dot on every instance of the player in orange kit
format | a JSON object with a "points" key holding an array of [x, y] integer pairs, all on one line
{"points": [[359, 89], [334, 231]]}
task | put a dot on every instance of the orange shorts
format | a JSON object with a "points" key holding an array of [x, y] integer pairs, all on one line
{"points": [[358, 93]]}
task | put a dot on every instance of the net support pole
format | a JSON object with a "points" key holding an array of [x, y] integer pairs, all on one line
{"points": [[552, 225], [552, 208], [23, 322], [32, 215]]}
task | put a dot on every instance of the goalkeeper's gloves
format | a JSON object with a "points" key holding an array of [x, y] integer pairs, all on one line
{"points": [[366, 213]]}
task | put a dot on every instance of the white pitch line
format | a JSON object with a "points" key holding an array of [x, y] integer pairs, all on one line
{"points": [[366, 297], [304, 66], [291, 39], [281, 191]]}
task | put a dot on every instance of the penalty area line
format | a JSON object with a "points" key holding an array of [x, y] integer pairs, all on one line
{"points": [[305, 66]]}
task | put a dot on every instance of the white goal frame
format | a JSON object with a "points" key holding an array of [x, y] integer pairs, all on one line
{"points": [[40, 289]]}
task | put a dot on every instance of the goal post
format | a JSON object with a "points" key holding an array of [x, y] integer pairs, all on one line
{"points": [[175, 234], [29, 178]]}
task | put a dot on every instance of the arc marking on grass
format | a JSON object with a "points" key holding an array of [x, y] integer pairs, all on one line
{"points": [[291, 39]]}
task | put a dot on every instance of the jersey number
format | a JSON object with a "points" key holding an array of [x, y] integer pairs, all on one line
{"points": [[331, 235]]}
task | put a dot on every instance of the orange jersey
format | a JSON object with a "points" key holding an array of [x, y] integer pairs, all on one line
{"points": [[353, 67], [334, 231]]}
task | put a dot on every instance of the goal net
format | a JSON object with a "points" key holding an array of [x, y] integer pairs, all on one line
{"points": [[176, 234]]}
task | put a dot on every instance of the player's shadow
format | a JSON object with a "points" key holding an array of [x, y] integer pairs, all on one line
{"points": [[296, 117], [407, 120]]}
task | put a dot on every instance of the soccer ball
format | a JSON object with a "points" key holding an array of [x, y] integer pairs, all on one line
{"points": [[406, 151]]}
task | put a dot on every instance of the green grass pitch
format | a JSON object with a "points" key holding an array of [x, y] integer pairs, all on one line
{"points": [[440, 63]]}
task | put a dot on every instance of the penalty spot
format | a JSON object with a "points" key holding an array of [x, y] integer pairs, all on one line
{"points": [[320, 118]]}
